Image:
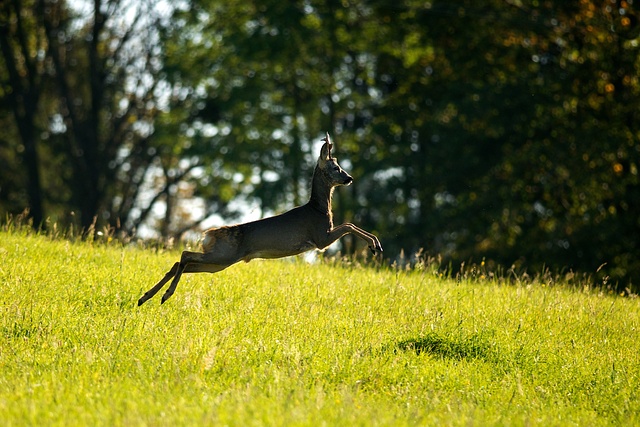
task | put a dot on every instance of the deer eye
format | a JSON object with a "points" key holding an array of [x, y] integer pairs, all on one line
{"points": [[336, 168]]}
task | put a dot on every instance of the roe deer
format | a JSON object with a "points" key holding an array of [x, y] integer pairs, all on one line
{"points": [[301, 229]]}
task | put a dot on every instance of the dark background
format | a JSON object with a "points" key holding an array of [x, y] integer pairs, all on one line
{"points": [[504, 131]]}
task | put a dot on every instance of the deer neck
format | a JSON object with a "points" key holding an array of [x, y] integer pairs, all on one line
{"points": [[321, 193]]}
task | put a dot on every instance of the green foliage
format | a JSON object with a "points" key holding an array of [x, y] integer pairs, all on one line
{"points": [[475, 130], [81, 86], [289, 343]]}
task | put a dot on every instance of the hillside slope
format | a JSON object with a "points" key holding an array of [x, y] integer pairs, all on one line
{"points": [[289, 343]]}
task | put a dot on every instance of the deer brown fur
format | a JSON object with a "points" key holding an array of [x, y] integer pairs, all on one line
{"points": [[299, 230]]}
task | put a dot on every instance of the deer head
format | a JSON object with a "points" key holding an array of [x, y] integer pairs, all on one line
{"points": [[332, 171]]}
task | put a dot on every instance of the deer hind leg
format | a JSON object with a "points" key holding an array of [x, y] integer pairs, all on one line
{"points": [[185, 259], [195, 262], [151, 292]]}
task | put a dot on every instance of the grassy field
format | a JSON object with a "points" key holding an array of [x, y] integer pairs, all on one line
{"points": [[289, 343]]}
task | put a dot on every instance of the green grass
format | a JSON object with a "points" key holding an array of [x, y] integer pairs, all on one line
{"points": [[288, 343]]}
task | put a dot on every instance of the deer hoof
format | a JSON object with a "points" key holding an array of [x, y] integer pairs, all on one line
{"points": [[376, 249]]}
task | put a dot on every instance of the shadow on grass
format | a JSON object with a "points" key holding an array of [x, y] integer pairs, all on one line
{"points": [[474, 346]]}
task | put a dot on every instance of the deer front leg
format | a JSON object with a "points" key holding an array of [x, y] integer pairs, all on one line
{"points": [[151, 292], [339, 231]]}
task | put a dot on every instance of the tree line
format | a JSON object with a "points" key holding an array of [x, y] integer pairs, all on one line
{"points": [[503, 130]]}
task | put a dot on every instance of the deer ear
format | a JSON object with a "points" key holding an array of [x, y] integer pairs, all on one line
{"points": [[325, 152]]}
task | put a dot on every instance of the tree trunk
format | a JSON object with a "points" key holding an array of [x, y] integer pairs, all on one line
{"points": [[31, 160], [24, 96]]}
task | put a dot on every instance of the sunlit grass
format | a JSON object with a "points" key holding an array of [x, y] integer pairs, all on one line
{"points": [[288, 343]]}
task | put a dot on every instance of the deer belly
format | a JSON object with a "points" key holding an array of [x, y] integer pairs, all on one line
{"points": [[280, 252]]}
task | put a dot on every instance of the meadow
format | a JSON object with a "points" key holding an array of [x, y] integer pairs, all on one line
{"points": [[288, 343]]}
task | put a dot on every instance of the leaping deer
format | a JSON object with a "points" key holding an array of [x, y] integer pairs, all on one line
{"points": [[299, 230]]}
